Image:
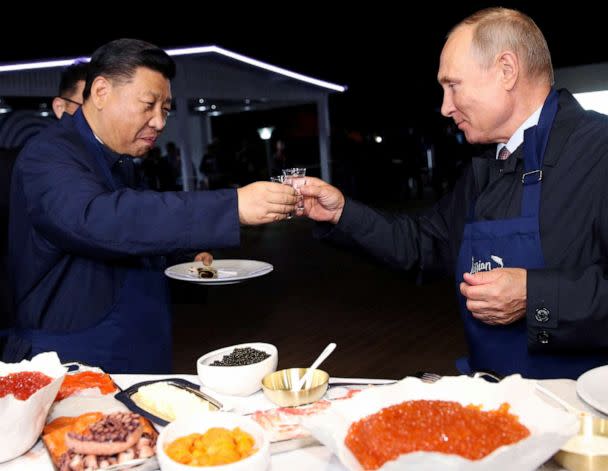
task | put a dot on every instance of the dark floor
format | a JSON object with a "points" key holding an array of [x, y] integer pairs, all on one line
{"points": [[384, 325]]}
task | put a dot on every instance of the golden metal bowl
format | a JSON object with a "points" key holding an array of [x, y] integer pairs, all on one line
{"points": [[588, 450], [277, 387]]}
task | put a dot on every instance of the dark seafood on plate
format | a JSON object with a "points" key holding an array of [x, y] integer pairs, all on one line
{"points": [[204, 272], [98, 441], [112, 434], [432, 426]]}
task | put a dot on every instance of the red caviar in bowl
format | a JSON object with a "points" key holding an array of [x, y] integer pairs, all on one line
{"points": [[432, 426], [23, 384]]}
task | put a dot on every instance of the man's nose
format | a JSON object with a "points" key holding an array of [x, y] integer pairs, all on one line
{"points": [[158, 121], [447, 106]]}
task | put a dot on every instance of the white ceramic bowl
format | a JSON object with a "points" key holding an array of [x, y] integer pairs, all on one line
{"points": [[236, 380], [259, 461]]}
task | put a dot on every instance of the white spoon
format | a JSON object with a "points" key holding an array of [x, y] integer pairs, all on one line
{"points": [[562, 402], [307, 378]]}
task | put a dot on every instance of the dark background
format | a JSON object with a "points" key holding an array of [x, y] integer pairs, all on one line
{"points": [[386, 53]]}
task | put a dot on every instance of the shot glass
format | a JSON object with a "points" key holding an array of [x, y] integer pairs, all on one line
{"points": [[296, 177], [281, 179]]}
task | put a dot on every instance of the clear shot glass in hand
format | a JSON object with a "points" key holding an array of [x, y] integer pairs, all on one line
{"points": [[296, 177], [281, 179]]}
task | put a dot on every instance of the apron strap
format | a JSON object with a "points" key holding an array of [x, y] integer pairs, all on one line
{"points": [[535, 145]]}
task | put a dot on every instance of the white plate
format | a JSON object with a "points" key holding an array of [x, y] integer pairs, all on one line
{"points": [[229, 271], [592, 387]]}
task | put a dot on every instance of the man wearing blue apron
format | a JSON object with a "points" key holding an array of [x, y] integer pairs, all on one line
{"points": [[525, 230], [86, 247]]}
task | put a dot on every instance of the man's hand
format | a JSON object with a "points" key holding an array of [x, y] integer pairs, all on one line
{"points": [[263, 202], [322, 202], [496, 297], [204, 257]]}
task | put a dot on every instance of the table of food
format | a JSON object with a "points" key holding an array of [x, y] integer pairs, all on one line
{"points": [[238, 413]]}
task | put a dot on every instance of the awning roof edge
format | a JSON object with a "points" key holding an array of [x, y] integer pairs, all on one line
{"points": [[195, 50]]}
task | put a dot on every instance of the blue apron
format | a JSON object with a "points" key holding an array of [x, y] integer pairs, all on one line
{"points": [[135, 336], [514, 243]]}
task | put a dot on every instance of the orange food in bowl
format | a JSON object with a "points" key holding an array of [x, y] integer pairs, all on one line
{"points": [[214, 447], [432, 426]]}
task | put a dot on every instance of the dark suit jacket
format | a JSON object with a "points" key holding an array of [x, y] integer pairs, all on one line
{"points": [[72, 236]]}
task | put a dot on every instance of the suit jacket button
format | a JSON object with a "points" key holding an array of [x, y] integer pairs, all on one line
{"points": [[542, 314], [543, 337]]}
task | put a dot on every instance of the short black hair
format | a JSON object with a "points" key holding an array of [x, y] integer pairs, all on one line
{"points": [[70, 76], [118, 60]]}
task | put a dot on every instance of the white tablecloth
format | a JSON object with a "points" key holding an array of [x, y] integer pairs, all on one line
{"points": [[316, 458]]}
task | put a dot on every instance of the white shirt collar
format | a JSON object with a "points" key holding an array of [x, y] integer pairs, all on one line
{"points": [[518, 136]]}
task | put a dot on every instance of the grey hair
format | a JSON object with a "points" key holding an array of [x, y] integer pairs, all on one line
{"points": [[499, 29]]}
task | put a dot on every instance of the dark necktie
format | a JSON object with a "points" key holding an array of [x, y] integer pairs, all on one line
{"points": [[504, 153]]}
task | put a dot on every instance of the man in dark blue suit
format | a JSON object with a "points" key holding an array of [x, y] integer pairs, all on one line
{"points": [[530, 266], [86, 247]]}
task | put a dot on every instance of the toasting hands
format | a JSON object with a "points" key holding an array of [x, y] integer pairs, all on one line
{"points": [[263, 202], [496, 297], [322, 202]]}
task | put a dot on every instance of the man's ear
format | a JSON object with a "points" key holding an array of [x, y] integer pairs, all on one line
{"points": [[508, 66], [58, 107], [101, 88]]}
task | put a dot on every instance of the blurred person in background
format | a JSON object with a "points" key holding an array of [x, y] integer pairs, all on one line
{"points": [[71, 85]]}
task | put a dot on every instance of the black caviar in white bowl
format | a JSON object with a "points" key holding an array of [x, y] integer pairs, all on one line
{"points": [[237, 370]]}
